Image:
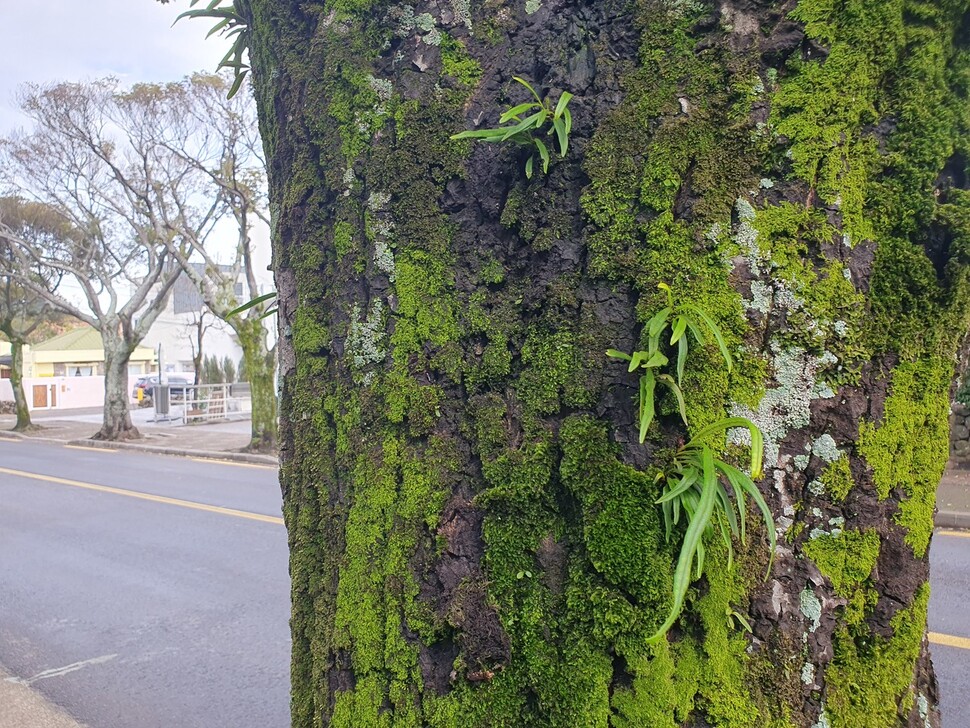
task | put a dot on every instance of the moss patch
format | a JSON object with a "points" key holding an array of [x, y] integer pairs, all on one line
{"points": [[909, 448], [847, 559], [870, 676]]}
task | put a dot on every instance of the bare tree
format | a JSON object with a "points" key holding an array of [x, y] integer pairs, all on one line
{"points": [[218, 138], [195, 333], [90, 155], [23, 311]]}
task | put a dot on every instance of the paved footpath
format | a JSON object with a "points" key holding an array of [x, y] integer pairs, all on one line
{"points": [[216, 440]]}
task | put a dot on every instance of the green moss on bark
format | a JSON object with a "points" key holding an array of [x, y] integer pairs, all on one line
{"points": [[847, 558], [871, 676], [908, 449]]}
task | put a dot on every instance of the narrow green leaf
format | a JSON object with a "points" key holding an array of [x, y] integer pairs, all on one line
{"points": [[717, 335], [734, 477], [692, 537], [696, 331], [528, 86], [528, 166], [672, 386], [682, 486], [236, 84], [544, 153], [726, 537], [515, 111], [485, 134], [217, 27], [568, 118], [617, 354], [647, 386], [680, 326], [681, 358], [527, 123], [656, 359], [249, 304], [562, 103], [766, 514], [559, 126], [728, 507], [656, 324]]}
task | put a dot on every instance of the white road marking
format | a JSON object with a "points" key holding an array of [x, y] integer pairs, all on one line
{"points": [[59, 671]]}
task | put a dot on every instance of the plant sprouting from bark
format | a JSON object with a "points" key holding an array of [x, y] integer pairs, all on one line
{"points": [[527, 131], [679, 318], [697, 481], [697, 491], [230, 22]]}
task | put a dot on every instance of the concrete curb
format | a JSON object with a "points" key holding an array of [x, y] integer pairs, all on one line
{"points": [[952, 519], [243, 457], [7, 434]]}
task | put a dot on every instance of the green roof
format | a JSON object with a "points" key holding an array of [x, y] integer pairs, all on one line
{"points": [[83, 338]]}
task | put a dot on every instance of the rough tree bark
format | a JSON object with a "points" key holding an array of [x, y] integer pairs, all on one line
{"points": [[17, 383], [471, 519], [258, 362], [116, 423]]}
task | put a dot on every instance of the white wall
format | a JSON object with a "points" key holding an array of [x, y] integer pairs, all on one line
{"points": [[70, 392]]}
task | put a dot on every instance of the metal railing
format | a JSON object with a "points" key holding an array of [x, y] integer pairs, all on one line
{"points": [[203, 402]]}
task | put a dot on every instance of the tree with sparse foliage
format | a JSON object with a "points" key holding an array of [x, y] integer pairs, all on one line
{"points": [[491, 521], [90, 155], [218, 139], [23, 311]]}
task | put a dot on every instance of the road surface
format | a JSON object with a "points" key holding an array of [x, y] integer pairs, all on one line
{"points": [[152, 591], [166, 610]]}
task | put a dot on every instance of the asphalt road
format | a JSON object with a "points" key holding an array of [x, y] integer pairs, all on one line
{"points": [[949, 623], [168, 612], [159, 597]]}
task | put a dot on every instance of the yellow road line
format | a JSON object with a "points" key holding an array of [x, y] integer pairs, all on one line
{"points": [[147, 496], [218, 461], [91, 448], [951, 532], [949, 640]]}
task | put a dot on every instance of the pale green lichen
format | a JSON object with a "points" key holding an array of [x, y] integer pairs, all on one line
{"points": [[811, 608], [786, 406], [463, 12], [824, 447], [532, 6], [365, 340], [384, 258]]}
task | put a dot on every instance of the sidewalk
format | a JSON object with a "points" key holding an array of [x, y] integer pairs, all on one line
{"points": [[953, 499], [23, 707], [215, 440]]}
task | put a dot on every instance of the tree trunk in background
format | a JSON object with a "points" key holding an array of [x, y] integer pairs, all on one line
{"points": [[259, 366], [17, 384], [473, 534], [117, 423]]}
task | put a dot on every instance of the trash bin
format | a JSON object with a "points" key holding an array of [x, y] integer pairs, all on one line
{"points": [[163, 398]]}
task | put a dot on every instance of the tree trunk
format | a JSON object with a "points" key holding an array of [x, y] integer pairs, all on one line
{"points": [[259, 365], [117, 423], [472, 521], [17, 384]]}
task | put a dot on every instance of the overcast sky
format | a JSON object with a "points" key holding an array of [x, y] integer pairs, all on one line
{"points": [[70, 40]]}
